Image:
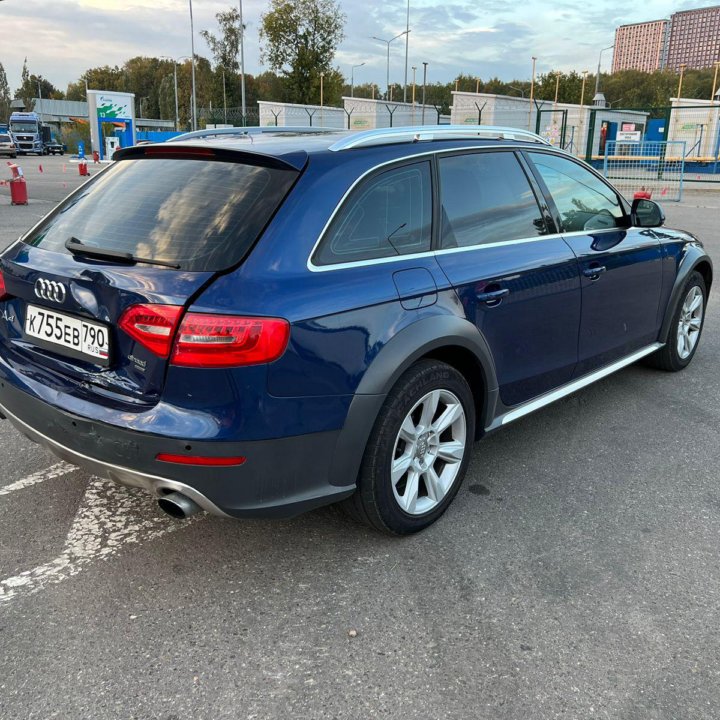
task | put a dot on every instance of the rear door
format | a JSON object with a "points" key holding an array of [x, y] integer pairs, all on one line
{"points": [[146, 234], [620, 266], [517, 282]]}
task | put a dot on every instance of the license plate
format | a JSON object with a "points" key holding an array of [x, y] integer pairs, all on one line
{"points": [[75, 336]]}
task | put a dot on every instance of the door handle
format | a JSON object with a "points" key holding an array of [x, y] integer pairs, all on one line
{"points": [[493, 297], [593, 271]]}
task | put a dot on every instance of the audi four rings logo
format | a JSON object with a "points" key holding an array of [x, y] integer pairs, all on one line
{"points": [[50, 290]]}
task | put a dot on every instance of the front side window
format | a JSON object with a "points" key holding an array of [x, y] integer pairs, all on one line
{"points": [[584, 201], [388, 215], [486, 198]]}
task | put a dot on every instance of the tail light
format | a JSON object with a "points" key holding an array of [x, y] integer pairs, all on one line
{"points": [[3, 291], [153, 326], [229, 341]]}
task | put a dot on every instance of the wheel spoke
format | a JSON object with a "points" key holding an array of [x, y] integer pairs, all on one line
{"points": [[681, 343], [408, 431], [434, 484], [430, 405], [695, 301], [400, 467], [452, 451], [695, 322], [410, 496], [451, 413]]}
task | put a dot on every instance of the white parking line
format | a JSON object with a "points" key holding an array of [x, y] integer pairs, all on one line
{"points": [[110, 516], [62, 468]]}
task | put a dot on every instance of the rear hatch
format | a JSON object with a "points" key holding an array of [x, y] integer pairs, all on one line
{"points": [[94, 294]]}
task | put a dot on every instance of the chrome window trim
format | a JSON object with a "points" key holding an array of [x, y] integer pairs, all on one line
{"points": [[428, 253]]}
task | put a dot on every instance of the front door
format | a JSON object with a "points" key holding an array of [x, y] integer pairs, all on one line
{"points": [[620, 266]]}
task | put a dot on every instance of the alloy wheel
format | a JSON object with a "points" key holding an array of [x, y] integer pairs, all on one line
{"points": [[428, 452]]}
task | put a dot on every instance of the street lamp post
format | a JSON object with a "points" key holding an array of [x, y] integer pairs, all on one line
{"points": [[175, 64], [242, 62], [422, 122], [532, 91], [192, 50], [717, 65], [407, 45], [680, 81], [597, 77], [352, 78], [512, 87], [387, 42], [582, 92]]}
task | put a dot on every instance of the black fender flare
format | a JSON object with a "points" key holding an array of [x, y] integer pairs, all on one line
{"points": [[397, 355], [694, 256]]}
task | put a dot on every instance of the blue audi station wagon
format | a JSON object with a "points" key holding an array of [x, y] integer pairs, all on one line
{"points": [[258, 323]]}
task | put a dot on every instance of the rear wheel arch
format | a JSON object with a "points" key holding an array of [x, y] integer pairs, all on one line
{"points": [[450, 339]]}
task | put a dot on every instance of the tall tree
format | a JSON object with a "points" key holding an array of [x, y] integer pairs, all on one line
{"points": [[300, 38], [4, 95], [225, 48]]}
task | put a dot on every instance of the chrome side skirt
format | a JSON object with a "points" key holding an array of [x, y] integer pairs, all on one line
{"points": [[571, 387], [154, 484]]}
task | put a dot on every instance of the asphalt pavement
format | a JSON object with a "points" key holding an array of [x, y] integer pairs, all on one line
{"points": [[576, 575]]}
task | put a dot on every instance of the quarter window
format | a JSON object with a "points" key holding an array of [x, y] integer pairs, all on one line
{"points": [[388, 215], [583, 200], [486, 198]]}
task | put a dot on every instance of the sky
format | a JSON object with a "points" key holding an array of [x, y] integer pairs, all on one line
{"points": [[61, 39]]}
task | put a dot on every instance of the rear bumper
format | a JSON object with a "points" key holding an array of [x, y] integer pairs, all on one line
{"points": [[280, 478]]}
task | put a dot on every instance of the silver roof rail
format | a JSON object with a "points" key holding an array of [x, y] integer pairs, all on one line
{"points": [[253, 130], [421, 133]]}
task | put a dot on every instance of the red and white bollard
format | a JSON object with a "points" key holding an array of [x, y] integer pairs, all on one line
{"points": [[18, 186]]}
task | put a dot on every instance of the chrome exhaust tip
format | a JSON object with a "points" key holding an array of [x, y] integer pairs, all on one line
{"points": [[178, 505]]}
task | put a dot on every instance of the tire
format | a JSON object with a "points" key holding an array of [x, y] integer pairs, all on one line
{"points": [[429, 466], [685, 329]]}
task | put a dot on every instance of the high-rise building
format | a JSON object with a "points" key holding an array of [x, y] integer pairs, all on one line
{"points": [[639, 46], [694, 39], [690, 38]]}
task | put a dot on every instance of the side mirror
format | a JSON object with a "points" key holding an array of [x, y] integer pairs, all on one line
{"points": [[646, 214]]}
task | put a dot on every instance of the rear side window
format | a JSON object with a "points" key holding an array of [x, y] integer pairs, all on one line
{"points": [[390, 214], [583, 200], [202, 215], [486, 198]]}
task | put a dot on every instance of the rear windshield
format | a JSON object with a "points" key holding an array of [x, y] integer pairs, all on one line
{"points": [[4, 138], [202, 215]]}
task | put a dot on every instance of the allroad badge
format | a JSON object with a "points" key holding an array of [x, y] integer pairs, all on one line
{"points": [[50, 290]]}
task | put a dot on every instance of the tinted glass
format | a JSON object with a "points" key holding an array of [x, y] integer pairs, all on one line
{"points": [[199, 214], [5, 138], [583, 200], [389, 215], [486, 198]]}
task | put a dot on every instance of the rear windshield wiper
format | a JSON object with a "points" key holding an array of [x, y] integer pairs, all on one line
{"points": [[77, 247]]}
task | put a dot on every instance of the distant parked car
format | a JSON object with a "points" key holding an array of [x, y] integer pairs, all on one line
{"points": [[7, 146], [55, 148], [262, 324]]}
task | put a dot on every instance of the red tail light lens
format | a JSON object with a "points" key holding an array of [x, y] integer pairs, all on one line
{"points": [[3, 291], [153, 326], [229, 341]]}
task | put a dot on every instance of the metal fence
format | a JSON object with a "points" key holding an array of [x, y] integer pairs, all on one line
{"points": [[651, 169]]}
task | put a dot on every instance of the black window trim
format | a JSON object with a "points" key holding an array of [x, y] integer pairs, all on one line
{"points": [[551, 227], [552, 207], [351, 194]]}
